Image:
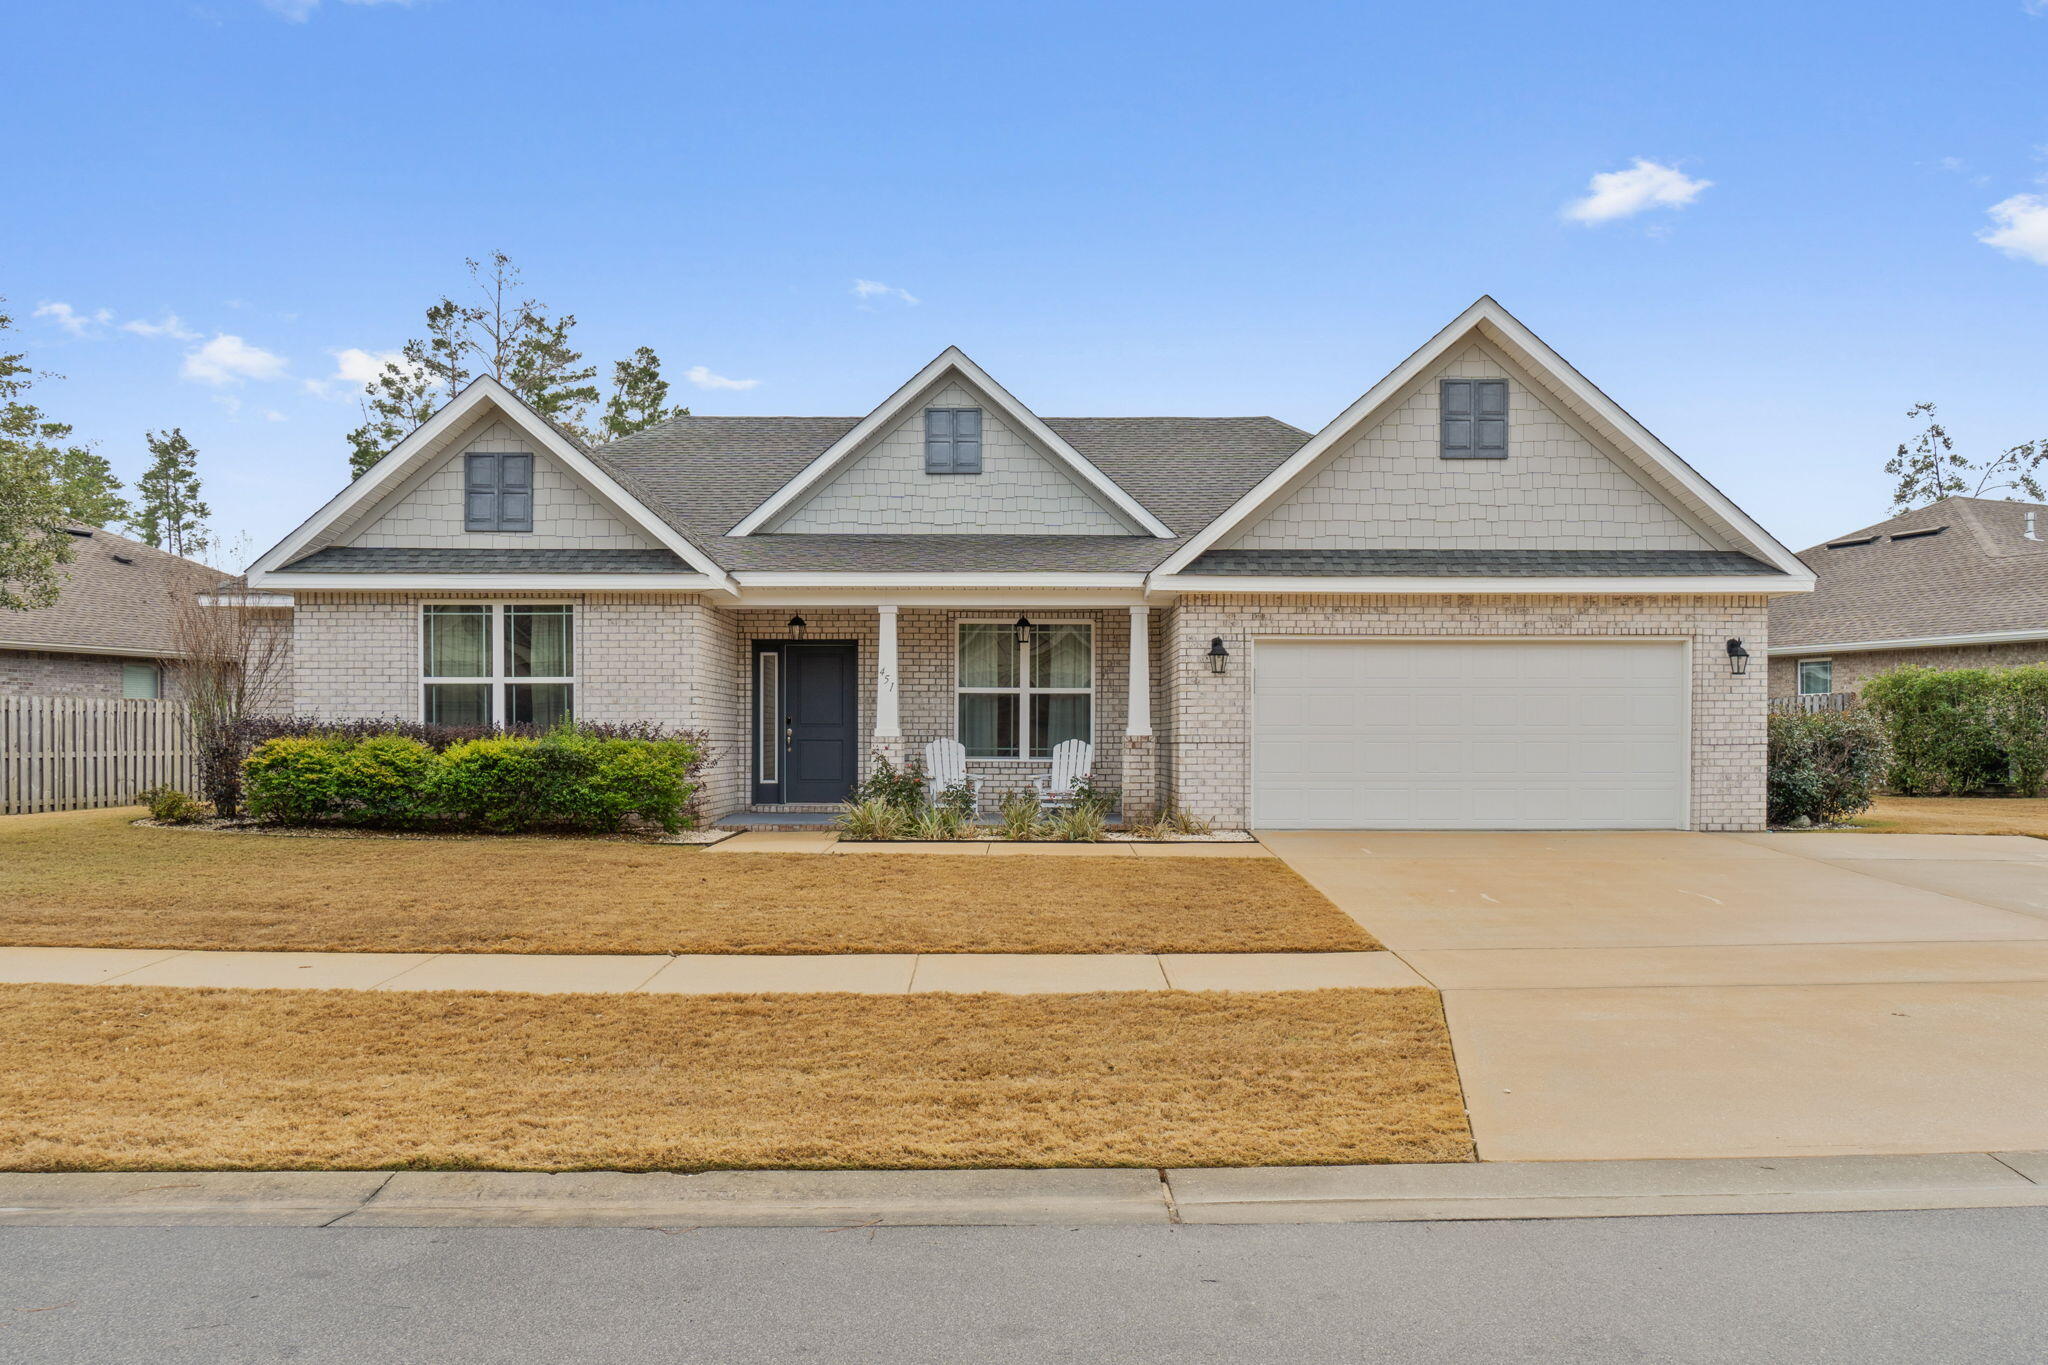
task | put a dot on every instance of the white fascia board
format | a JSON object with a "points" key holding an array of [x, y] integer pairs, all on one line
{"points": [[1983, 637], [45, 647], [1489, 313], [500, 582], [826, 582], [1451, 587], [896, 404], [1000, 599], [259, 600], [388, 472]]}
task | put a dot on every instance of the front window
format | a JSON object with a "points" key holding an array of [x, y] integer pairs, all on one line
{"points": [[141, 682], [1816, 677], [512, 665], [1020, 700]]}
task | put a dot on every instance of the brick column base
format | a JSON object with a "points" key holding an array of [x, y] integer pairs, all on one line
{"points": [[1141, 779]]}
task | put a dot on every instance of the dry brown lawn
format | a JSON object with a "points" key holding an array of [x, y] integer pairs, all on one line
{"points": [[152, 1078], [1957, 815], [91, 879]]}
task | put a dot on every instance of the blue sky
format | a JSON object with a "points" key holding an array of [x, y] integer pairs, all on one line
{"points": [[1116, 208]]}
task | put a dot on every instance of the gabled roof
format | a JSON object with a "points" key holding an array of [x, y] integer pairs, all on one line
{"points": [[431, 440], [1976, 575], [119, 596], [1649, 457], [951, 363]]}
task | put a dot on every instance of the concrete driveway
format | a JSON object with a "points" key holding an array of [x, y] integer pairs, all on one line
{"points": [[1690, 995]]}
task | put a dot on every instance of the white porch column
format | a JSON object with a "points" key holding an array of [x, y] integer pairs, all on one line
{"points": [[888, 715], [1139, 702]]}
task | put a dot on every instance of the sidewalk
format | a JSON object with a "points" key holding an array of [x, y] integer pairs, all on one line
{"points": [[828, 841], [709, 974], [1072, 1198]]}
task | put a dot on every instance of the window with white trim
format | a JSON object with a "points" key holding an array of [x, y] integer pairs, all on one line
{"points": [[1019, 699], [1816, 677], [509, 665]]}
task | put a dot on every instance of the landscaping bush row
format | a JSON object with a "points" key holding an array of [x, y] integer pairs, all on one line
{"points": [[1958, 730], [1824, 766], [574, 777]]}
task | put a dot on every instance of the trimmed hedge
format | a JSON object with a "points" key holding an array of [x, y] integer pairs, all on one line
{"points": [[569, 778], [1824, 766], [1958, 730]]}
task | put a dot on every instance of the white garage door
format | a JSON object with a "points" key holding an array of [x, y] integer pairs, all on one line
{"points": [[1467, 734]]}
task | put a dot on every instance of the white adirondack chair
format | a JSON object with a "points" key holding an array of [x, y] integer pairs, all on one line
{"points": [[945, 763], [1071, 761]]}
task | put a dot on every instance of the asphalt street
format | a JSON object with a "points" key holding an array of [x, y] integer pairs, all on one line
{"points": [[1964, 1286]]}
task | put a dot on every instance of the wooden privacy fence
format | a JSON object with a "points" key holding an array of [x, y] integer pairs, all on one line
{"points": [[75, 753], [1808, 703]]}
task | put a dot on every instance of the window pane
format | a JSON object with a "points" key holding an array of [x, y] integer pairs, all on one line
{"points": [[536, 703], [458, 704], [1816, 676], [537, 642], [768, 725], [139, 682], [1058, 717], [988, 724], [458, 642], [988, 656], [1059, 656]]}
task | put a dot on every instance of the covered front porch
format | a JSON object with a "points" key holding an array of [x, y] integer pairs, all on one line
{"points": [[827, 689]]}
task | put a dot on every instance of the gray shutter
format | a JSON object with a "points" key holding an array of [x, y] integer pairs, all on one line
{"points": [[480, 493], [1456, 418], [515, 492], [938, 441], [967, 441], [1490, 419]]}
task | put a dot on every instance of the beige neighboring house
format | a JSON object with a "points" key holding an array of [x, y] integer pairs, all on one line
{"points": [[1482, 596], [109, 634], [1959, 583]]}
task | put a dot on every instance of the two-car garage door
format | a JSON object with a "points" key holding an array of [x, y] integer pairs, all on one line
{"points": [[1469, 734]]}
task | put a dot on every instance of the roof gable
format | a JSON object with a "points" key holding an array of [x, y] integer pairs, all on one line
{"points": [[951, 365], [1653, 464]]}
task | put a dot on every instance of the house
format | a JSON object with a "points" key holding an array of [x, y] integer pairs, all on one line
{"points": [[111, 630], [1482, 596], [1959, 583]]}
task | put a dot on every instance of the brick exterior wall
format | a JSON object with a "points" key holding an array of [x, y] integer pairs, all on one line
{"points": [[1853, 669], [1209, 727], [40, 673]]}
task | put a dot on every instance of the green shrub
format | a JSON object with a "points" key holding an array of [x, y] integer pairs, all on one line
{"points": [[1019, 817], [169, 806], [386, 781], [1101, 800], [1080, 824], [1959, 730], [907, 788], [872, 819], [1825, 765], [295, 781]]}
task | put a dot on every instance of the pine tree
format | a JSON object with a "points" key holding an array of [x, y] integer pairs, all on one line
{"points": [[33, 503], [639, 394], [1928, 468], [169, 514], [90, 491]]}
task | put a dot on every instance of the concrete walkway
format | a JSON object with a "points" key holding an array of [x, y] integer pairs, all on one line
{"points": [[710, 974], [824, 841], [1071, 1198]]}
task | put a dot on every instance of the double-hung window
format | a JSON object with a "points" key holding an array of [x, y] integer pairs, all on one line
{"points": [[952, 440], [497, 492], [1019, 700], [1474, 418], [1816, 677], [508, 665]]}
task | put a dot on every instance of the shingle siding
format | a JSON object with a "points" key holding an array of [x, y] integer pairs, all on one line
{"points": [[1390, 487]]}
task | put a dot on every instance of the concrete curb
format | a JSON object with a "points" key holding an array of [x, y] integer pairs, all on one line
{"points": [[1070, 1198]]}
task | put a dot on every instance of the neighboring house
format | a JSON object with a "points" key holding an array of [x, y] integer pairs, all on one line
{"points": [[1959, 583], [110, 632], [1483, 596]]}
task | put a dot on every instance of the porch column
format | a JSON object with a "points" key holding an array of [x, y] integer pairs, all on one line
{"points": [[888, 715], [1141, 780], [1139, 703]]}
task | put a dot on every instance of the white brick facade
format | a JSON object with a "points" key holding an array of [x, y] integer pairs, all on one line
{"points": [[1391, 489], [1020, 490]]}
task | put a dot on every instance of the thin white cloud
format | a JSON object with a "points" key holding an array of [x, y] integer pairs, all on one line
{"points": [[704, 379], [354, 368], [228, 359], [1623, 194], [172, 326], [299, 11], [2020, 227], [71, 320], [867, 290], [2037, 8]]}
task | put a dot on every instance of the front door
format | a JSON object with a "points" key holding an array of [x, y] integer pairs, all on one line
{"points": [[804, 718]]}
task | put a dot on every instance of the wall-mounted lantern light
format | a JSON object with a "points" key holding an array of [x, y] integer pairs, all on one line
{"points": [[1023, 630], [796, 627], [1738, 658], [1219, 657]]}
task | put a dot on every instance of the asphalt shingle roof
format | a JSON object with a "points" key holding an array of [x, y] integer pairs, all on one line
{"points": [[106, 603], [1978, 575], [1476, 563]]}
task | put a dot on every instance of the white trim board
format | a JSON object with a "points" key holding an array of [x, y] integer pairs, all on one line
{"points": [[952, 360], [1465, 587], [423, 444], [498, 582], [1987, 637], [1487, 320]]}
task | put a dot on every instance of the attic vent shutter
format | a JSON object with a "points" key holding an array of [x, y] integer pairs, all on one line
{"points": [[480, 493], [1474, 419], [952, 441], [515, 492]]}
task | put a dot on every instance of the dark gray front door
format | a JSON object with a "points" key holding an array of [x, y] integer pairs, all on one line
{"points": [[819, 757]]}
